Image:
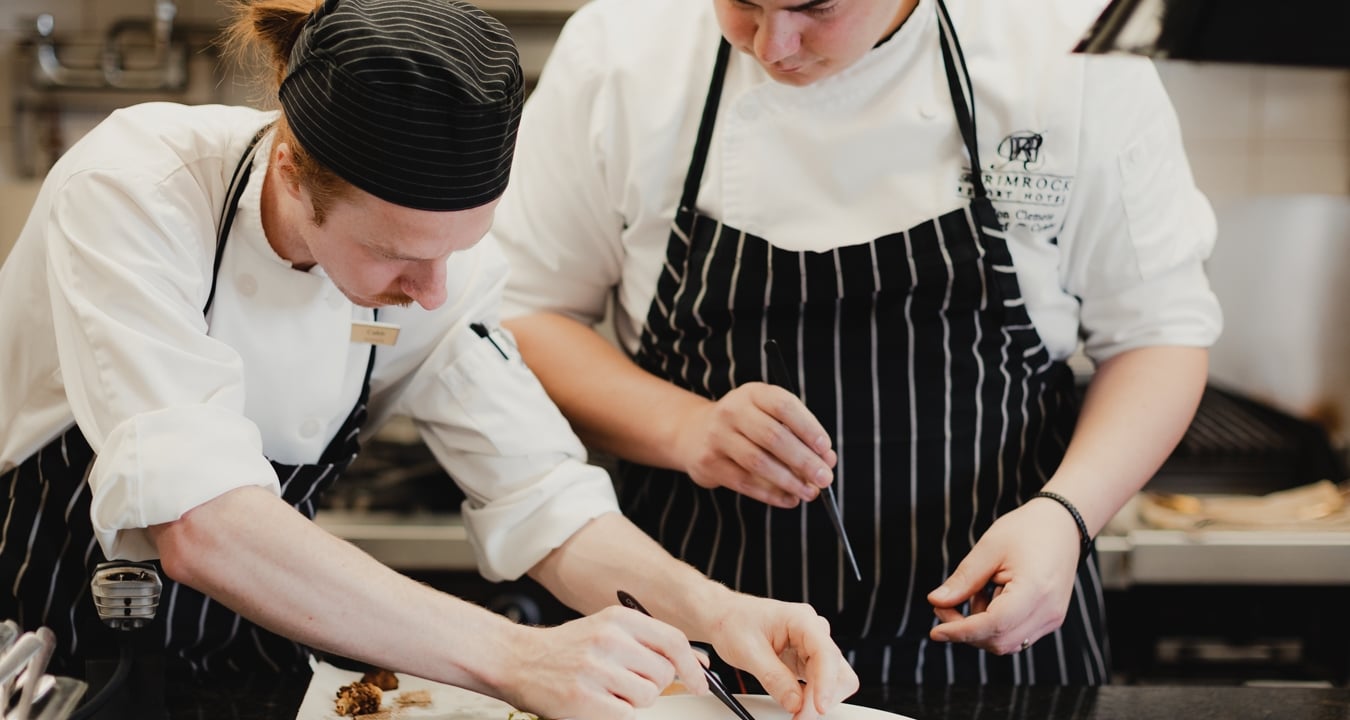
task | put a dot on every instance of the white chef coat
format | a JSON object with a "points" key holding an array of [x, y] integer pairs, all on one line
{"points": [[101, 317], [1083, 160]]}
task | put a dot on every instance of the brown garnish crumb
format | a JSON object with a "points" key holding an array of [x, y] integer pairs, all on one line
{"points": [[382, 679], [413, 698], [359, 698]]}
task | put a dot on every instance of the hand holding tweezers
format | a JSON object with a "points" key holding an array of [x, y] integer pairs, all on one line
{"points": [[779, 376], [714, 682]]}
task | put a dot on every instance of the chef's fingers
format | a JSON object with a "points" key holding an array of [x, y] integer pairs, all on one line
{"points": [[974, 573], [774, 451], [982, 632], [979, 602], [947, 615], [1001, 628], [815, 658], [760, 474], [671, 646], [601, 666], [795, 436], [829, 677]]}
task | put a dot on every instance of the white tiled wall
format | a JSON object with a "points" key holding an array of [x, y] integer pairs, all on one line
{"points": [[1258, 131]]}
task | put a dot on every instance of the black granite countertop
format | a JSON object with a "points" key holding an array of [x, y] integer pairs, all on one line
{"points": [[278, 699]]}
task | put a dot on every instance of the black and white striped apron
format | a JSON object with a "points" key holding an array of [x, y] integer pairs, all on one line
{"points": [[48, 552], [917, 354]]}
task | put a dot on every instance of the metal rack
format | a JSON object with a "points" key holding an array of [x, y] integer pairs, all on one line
{"points": [[136, 59]]}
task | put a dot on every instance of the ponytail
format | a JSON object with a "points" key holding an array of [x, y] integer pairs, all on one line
{"points": [[262, 34], [264, 31]]}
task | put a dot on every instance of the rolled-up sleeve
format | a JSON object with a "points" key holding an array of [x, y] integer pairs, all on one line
{"points": [[492, 426], [151, 471], [160, 402], [1140, 230]]}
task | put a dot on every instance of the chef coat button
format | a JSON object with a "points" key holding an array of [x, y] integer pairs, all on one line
{"points": [[248, 285], [309, 428]]}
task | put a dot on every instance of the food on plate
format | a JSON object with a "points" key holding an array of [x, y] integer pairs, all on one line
{"points": [[359, 698], [521, 715], [382, 679], [413, 698]]}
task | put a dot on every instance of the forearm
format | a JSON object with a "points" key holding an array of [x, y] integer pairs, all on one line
{"points": [[614, 405], [611, 554], [256, 555], [1137, 408]]}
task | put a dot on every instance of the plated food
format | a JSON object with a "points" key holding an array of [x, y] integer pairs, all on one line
{"points": [[382, 679], [357, 699], [383, 695]]}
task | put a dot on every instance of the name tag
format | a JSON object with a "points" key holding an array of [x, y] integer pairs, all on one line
{"points": [[375, 333]]}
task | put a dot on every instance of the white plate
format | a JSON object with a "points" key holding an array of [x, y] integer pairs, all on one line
{"points": [[763, 707], [452, 703], [447, 702]]}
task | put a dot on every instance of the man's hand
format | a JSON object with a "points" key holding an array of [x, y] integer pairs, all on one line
{"points": [[758, 440], [600, 667], [781, 643], [1029, 558]]}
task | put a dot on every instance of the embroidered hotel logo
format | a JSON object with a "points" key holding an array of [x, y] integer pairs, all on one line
{"points": [[1024, 194], [1023, 147]]}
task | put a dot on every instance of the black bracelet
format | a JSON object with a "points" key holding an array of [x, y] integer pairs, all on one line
{"points": [[1077, 517]]}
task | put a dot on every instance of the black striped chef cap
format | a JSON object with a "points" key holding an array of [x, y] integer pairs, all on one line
{"points": [[416, 102]]}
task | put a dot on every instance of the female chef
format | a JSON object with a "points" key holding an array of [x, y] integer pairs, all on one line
{"points": [[926, 206], [207, 308]]}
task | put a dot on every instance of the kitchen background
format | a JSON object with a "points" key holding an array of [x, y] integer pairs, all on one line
{"points": [[1271, 148]]}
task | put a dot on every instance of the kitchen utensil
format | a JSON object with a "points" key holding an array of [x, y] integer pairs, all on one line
{"points": [[778, 375], [702, 707], [714, 683], [26, 691]]}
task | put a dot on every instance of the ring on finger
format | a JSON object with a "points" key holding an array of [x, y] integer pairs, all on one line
{"points": [[1025, 644]]}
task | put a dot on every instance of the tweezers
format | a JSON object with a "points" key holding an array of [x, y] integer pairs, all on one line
{"points": [[778, 375], [714, 682]]}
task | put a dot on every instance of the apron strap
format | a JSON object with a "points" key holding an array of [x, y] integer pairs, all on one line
{"points": [[238, 182], [694, 177], [963, 96]]}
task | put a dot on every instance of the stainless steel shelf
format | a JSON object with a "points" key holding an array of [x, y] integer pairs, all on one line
{"points": [[1228, 557], [1136, 557], [405, 542]]}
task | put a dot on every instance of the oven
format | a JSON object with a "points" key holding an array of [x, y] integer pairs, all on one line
{"points": [[1232, 604]]}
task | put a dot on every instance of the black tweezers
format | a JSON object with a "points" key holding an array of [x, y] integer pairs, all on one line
{"points": [[778, 374], [714, 682]]}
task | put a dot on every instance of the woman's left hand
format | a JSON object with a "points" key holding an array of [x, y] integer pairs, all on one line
{"points": [[780, 643], [1018, 580]]}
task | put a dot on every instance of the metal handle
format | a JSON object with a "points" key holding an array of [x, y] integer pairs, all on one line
{"points": [[126, 594]]}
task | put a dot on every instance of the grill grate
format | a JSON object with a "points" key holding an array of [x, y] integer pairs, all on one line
{"points": [[1238, 445]]}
